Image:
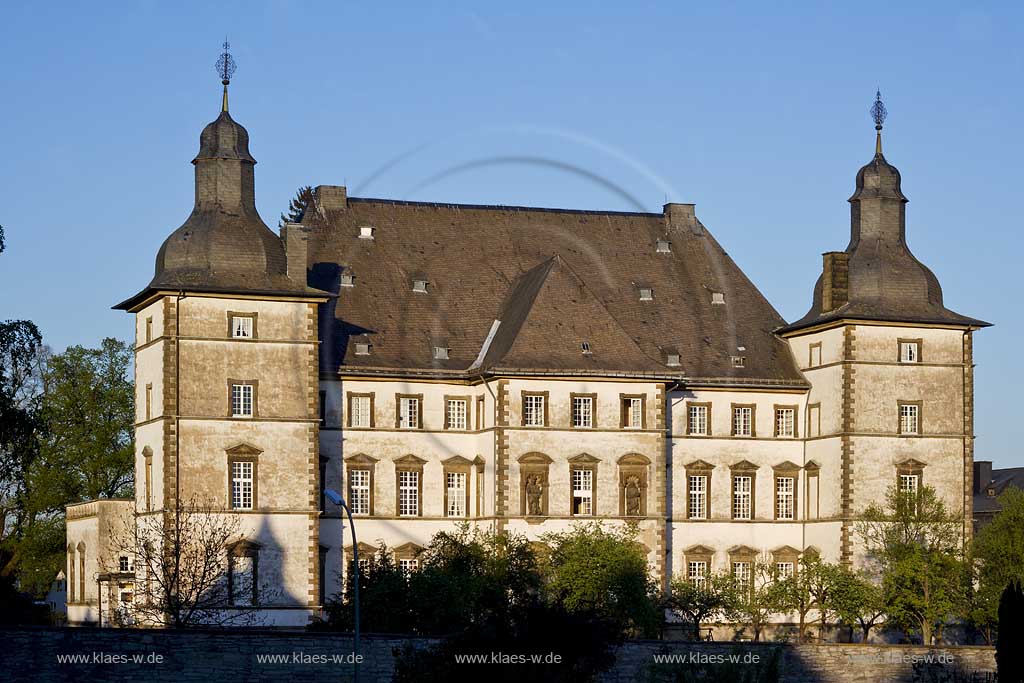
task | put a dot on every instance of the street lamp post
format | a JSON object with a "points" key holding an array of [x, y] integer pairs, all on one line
{"points": [[337, 499]]}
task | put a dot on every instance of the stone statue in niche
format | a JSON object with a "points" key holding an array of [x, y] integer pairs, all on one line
{"points": [[633, 496], [534, 490]]}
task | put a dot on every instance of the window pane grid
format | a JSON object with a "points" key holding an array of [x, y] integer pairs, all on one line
{"points": [[359, 491], [697, 573], [698, 420], [533, 411], [456, 485], [456, 414], [784, 421], [241, 326], [583, 491], [634, 413], [784, 570], [908, 352], [241, 400], [741, 572], [241, 485], [698, 497], [408, 493], [582, 411], [908, 419], [784, 497], [359, 411], [410, 413], [741, 418], [741, 497]]}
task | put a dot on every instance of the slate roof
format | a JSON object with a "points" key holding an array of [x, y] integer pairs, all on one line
{"points": [[552, 279], [886, 281], [1002, 479]]}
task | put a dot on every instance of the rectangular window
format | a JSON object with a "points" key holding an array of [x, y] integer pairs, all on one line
{"points": [[241, 327], [741, 496], [785, 422], [359, 491], [909, 418], [124, 564], [741, 573], [533, 410], [813, 426], [242, 577], [408, 566], [910, 352], [149, 329], [908, 484], [241, 484], [783, 570], [582, 412], [408, 493], [697, 421], [697, 573], [698, 497], [455, 413], [241, 400], [742, 421], [359, 411], [814, 352], [409, 413], [149, 483], [149, 401], [633, 412], [582, 492], [784, 488], [456, 484], [480, 413]]}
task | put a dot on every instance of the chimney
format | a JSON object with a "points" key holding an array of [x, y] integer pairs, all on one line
{"points": [[835, 281], [982, 475], [331, 197], [681, 217], [296, 248]]}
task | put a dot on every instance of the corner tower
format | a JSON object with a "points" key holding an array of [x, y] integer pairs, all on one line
{"points": [[890, 367], [226, 365]]}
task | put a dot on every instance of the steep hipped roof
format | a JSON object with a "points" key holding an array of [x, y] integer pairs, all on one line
{"points": [[521, 289], [877, 277]]}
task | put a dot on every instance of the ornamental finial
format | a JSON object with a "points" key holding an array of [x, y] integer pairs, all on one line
{"points": [[878, 114], [225, 69]]}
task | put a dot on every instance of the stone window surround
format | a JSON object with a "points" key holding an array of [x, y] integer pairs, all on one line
{"points": [[547, 407], [531, 464], [815, 422], [899, 350], [707, 406], [244, 452], [478, 466], [753, 420], [629, 465], [149, 329], [367, 553], [243, 314], [479, 412], [910, 467], [624, 418], [149, 401], [255, 384], [796, 420], [249, 549], [348, 408], [698, 553], [742, 553], [71, 574], [743, 469], [792, 471], [419, 411], [407, 551], [81, 571], [698, 468], [787, 554], [147, 456], [362, 461], [584, 461], [810, 355], [572, 400], [469, 416], [812, 470], [409, 463], [920, 417], [457, 465]]}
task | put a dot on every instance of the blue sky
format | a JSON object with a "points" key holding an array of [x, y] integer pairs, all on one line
{"points": [[756, 112]]}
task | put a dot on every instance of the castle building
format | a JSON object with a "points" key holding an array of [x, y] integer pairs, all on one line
{"points": [[523, 369]]}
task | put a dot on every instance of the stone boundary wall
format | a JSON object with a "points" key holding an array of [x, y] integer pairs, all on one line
{"points": [[210, 656]]}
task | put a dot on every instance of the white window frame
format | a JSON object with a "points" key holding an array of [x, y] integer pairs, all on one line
{"points": [[583, 492], [456, 484], [242, 400], [533, 410], [909, 483], [124, 563], [409, 493], [785, 490], [408, 565], [910, 418], [784, 570], [741, 573], [742, 421], [697, 496], [910, 352], [359, 491], [697, 572], [785, 423], [697, 420], [742, 496], [241, 326], [457, 418], [359, 411], [583, 412], [409, 412], [634, 408], [242, 484]]}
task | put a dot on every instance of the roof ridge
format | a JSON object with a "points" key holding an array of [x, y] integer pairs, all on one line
{"points": [[502, 207]]}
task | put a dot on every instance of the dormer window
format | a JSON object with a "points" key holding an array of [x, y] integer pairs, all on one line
{"points": [[362, 348], [739, 361], [672, 359], [440, 353], [663, 247], [585, 348], [348, 279], [366, 232], [646, 294], [717, 298], [419, 286]]}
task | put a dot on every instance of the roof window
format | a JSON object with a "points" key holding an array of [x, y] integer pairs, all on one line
{"points": [[366, 232], [672, 359], [362, 348], [440, 353], [718, 298], [348, 279], [646, 294], [663, 247], [739, 361], [419, 285], [585, 348]]}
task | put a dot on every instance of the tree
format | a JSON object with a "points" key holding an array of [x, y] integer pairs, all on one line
{"points": [[758, 597], [703, 601], [297, 206], [2, 243], [808, 590], [856, 598], [592, 569], [1010, 647], [915, 543], [999, 553], [181, 561]]}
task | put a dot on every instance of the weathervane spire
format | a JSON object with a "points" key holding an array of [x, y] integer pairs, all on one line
{"points": [[878, 114], [225, 69]]}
